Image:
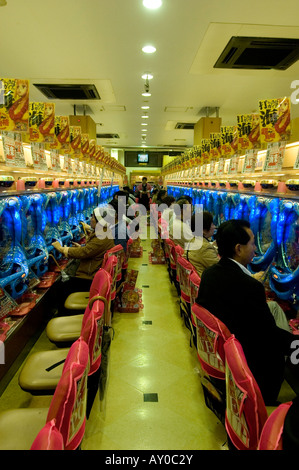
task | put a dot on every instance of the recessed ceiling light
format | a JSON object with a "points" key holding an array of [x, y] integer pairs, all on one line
{"points": [[147, 76], [144, 117], [152, 4], [144, 124], [145, 107], [146, 94], [149, 49]]}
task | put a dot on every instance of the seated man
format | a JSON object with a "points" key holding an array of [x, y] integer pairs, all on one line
{"points": [[229, 292]]}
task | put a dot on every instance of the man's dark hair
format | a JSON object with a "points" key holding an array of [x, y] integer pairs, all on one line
{"points": [[207, 219], [168, 200], [229, 234], [188, 198]]}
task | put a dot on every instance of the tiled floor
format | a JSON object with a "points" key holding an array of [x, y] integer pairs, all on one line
{"points": [[154, 398]]}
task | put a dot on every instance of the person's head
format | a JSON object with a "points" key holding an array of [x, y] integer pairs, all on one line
{"points": [[168, 200], [204, 220], [182, 209], [162, 193], [188, 198], [99, 216], [235, 240], [120, 193], [144, 180]]}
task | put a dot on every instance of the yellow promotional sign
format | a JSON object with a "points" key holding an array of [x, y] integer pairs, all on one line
{"points": [[248, 131], [41, 122], [62, 135], [275, 120], [215, 149], [14, 105], [75, 140], [229, 140]]}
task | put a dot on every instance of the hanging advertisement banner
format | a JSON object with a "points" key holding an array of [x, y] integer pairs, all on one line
{"points": [[249, 161], [275, 120], [75, 140], [13, 149], [274, 156], [215, 146], [248, 132], [61, 139], [205, 150], [85, 146], [229, 140], [41, 122], [14, 105]]}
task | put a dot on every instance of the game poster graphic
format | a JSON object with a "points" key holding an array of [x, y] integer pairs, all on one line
{"points": [[215, 148], [41, 122], [92, 150], [275, 120], [248, 131], [75, 140], [205, 150], [61, 135], [229, 141], [85, 145], [14, 105]]}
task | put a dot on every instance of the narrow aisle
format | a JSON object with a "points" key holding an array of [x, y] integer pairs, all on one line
{"points": [[154, 398]]}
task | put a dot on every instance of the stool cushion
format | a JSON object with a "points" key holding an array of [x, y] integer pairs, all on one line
{"points": [[77, 301], [64, 329], [34, 375], [19, 427]]}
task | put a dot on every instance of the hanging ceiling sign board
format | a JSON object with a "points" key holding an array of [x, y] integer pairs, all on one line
{"points": [[248, 132], [275, 120], [14, 105]]}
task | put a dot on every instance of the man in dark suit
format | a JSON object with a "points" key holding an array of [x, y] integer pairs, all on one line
{"points": [[229, 292]]}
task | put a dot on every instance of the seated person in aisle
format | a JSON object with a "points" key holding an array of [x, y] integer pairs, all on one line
{"points": [[90, 255], [162, 194], [118, 221], [179, 226], [229, 292], [201, 252], [165, 215], [131, 197]]}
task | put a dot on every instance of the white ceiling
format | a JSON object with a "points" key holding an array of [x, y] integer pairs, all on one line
{"points": [[100, 42]]}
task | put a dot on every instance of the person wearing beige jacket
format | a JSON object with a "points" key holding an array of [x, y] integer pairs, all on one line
{"points": [[90, 257], [200, 251]]}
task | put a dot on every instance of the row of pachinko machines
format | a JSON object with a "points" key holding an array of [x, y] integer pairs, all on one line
{"points": [[275, 224], [30, 223]]}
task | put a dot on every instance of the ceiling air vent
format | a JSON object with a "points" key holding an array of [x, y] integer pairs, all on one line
{"points": [[185, 125], [107, 136], [259, 53], [68, 92]]}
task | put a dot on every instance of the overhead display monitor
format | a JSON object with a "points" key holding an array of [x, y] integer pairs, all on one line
{"points": [[142, 158]]}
